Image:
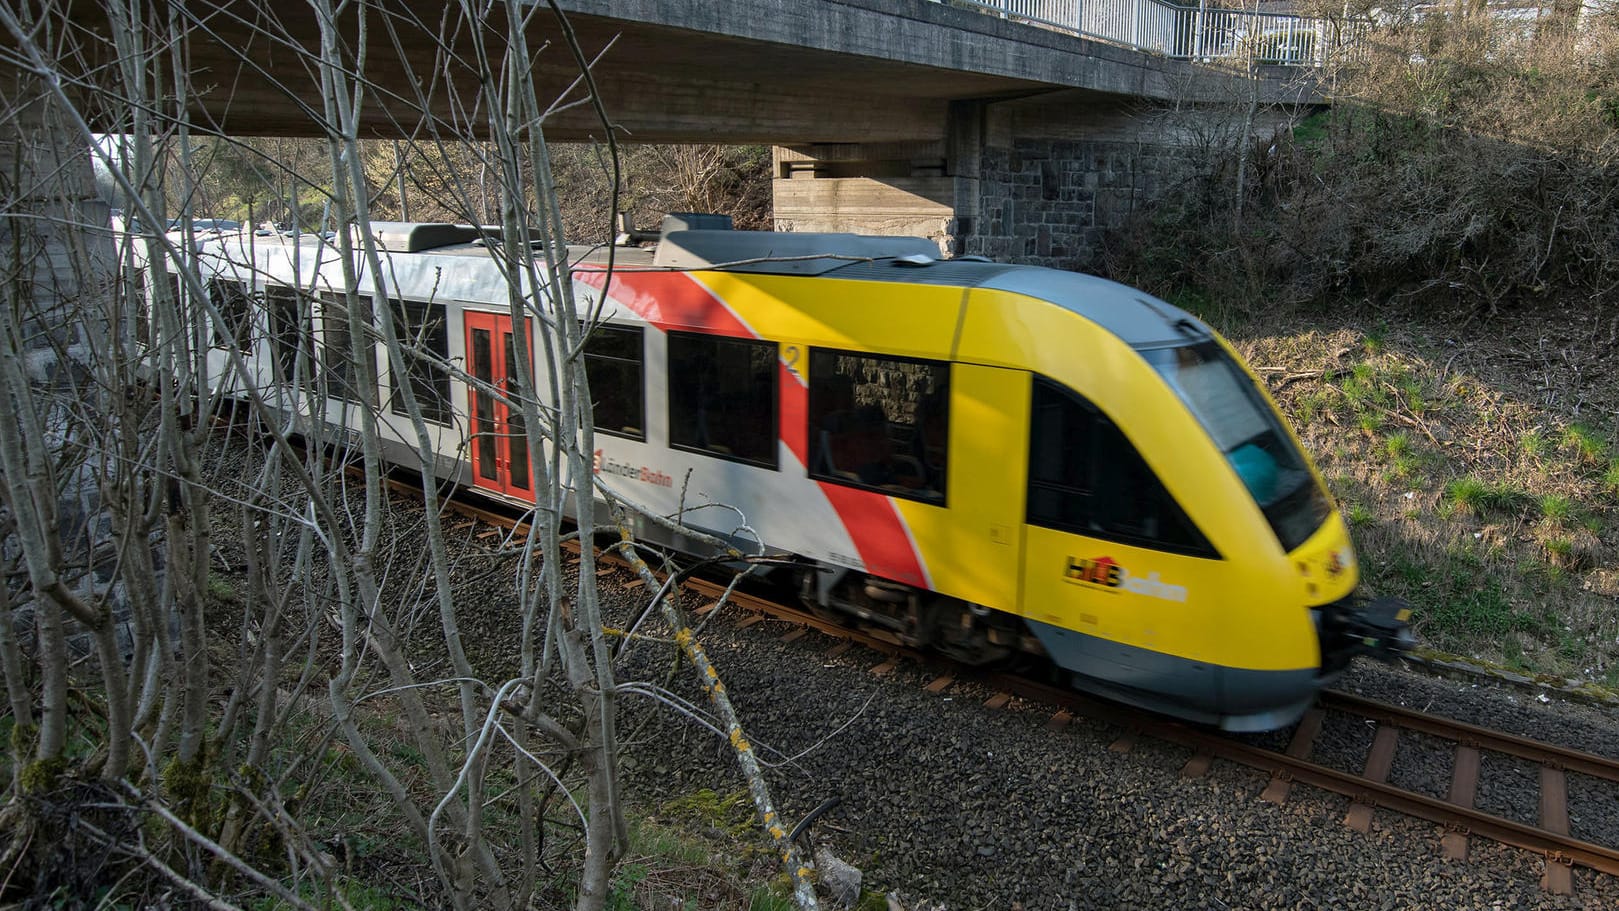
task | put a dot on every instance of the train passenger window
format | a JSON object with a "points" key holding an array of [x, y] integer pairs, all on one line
{"points": [[424, 336], [142, 310], [234, 302], [143, 302], [722, 397], [1086, 477], [338, 361], [613, 365], [879, 422], [290, 333]]}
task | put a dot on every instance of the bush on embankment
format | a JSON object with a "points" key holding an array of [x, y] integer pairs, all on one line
{"points": [[1466, 162]]}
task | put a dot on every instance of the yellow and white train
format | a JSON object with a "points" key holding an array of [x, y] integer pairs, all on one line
{"points": [[979, 457]]}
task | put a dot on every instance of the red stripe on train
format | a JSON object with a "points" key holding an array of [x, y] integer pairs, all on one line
{"points": [[670, 300]]}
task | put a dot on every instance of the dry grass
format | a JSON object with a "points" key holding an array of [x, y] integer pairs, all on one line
{"points": [[1476, 474]]}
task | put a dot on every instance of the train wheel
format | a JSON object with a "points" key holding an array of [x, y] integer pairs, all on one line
{"points": [[961, 631]]}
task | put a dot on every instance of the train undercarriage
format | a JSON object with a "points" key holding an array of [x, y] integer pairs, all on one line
{"points": [[969, 633]]}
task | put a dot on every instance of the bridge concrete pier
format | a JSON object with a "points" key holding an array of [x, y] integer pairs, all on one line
{"points": [[58, 267], [1038, 180]]}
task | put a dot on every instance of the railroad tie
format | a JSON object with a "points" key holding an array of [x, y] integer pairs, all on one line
{"points": [[1299, 748], [1559, 876], [1197, 766], [1463, 787], [1378, 763]]}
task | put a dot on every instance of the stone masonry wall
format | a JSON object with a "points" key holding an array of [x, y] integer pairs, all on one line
{"points": [[1050, 202]]}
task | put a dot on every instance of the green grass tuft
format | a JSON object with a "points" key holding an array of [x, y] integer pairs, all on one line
{"points": [[1556, 507], [1477, 496], [1359, 516], [1533, 443], [1585, 443], [766, 899], [1415, 401]]}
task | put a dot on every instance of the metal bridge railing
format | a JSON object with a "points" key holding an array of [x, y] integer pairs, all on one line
{"points": [[1188, 32]]}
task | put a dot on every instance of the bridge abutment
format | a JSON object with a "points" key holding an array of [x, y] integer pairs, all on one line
{"points": [[1038, 180]]}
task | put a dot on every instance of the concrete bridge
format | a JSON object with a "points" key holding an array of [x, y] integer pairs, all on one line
{"points": [[991, 135]]}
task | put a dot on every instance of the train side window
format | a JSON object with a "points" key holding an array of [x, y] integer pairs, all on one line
{"points": [[424, 335], [722, 397], [144, 318], [234, 302], [292, 336], [881, 423], [338, 362], [614, 363], [1086, 477], [143, 309]]}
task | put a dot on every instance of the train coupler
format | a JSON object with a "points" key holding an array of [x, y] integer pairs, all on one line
{"points": [[1379, 628], [1383, 627]]}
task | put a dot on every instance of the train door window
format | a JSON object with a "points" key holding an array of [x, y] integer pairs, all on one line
{"points": [[614, 366], [516, 430], [424, 336], [289, 332], [879, 422], [1086, 477], [480, 351], [234, 302], [722, 397]]}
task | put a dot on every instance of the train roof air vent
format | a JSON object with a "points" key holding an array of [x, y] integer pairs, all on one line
{"points": [[696, 221], [414, 237], [778, 253]]}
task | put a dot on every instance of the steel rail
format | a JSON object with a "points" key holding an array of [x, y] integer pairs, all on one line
{"points": [[1484, 738], [1554, 846]]}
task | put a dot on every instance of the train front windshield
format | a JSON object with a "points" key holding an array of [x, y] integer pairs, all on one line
{"points": [[1222, 396]]}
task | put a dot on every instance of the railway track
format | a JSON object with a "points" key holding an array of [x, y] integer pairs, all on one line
{"points": [[1369, 789]]}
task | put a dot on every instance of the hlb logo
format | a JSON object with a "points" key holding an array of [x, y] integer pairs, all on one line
{"points": [[1100, 571], [1107, 573]]}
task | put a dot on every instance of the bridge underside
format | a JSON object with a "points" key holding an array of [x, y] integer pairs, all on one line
{"points": [[888, 116], [744, 71]]}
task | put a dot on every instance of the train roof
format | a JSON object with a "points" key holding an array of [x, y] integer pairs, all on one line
{"points": [[1137, 318]]}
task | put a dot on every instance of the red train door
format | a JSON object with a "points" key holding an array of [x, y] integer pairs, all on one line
{"points": [[499, 440]]}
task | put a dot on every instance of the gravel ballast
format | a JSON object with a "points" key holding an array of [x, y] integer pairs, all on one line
{"points": [[949, 802]]}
